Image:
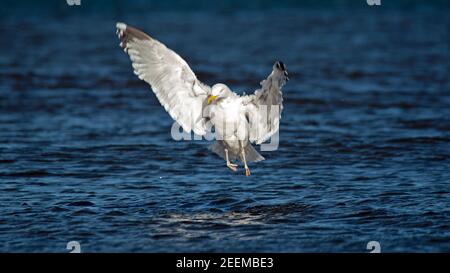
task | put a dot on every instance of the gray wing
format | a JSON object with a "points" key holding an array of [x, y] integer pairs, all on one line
{"points": [[264, 107], [172, 80]]}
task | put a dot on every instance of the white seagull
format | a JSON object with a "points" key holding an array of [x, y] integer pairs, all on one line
{"points": [[237, 120]]}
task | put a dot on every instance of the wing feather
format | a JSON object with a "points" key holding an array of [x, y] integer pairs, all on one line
{"points": [[170, 77], [264, 107]]}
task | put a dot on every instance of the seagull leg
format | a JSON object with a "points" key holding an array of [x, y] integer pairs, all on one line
{"points": [[230, 165], [247, 170]]}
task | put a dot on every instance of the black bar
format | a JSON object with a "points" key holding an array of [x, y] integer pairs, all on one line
{"points": [[226, 262]]}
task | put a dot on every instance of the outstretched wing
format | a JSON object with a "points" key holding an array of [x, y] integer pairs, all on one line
{"points": [[263, 108], [172, 80]]}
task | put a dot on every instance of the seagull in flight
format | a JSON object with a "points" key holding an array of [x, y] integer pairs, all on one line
{"points": [[237, 120]]}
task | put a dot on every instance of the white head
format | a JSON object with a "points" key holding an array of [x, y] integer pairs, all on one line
{"points": [[218, 90]]}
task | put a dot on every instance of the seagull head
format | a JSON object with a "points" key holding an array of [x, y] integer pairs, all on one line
{"points": [[218, 91]]}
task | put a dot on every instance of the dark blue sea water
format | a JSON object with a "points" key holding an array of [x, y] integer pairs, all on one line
{"points": [[86, 152]]}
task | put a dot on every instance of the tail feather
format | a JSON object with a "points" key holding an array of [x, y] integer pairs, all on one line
{"points": [[218, 148], [251, 155]]}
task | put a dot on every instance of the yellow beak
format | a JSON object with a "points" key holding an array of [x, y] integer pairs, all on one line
{"points": [[211, 98]]}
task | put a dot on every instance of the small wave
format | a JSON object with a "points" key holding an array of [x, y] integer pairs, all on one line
{"points": [[277, 209], [115, 213], [32, 173], [81, 204], [420, 140], [83, 212], [222, 201], [7, 161]]}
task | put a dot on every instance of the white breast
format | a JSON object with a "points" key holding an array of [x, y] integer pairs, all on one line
{"points": [[229, 120]]}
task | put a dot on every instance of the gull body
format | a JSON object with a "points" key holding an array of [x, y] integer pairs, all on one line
{"points": [[228, 116], [237, 120]]}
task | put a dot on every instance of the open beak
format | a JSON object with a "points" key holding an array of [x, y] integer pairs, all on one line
{"points": [[211, 98]]}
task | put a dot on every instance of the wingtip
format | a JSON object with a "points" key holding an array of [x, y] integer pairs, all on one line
{"points": [[280, 65], [121, 26]]}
